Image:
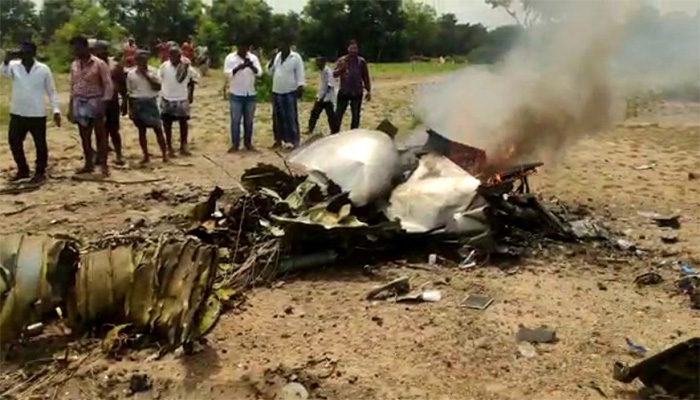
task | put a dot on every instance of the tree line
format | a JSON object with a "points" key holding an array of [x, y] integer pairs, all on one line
{"points": [[388, 30]]}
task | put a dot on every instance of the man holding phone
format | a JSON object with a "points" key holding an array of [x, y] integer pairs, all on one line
{"points": [[30, 80], [242, 67]]}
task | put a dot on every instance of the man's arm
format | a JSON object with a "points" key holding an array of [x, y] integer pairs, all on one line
{"points": [[271, 65], [256, 67], [365, 77], [107, 84], [50, 88], [228, 65], [339, 68], [5, 69]]}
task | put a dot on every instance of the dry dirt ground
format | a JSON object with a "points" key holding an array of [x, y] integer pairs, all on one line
{"points": [[318, 329]]}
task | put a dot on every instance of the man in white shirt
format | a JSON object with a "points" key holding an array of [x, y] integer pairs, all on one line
{"points": [[287, 70], [142, 87], [30, 80], [325, 97], [241, 68], [176, 77]]}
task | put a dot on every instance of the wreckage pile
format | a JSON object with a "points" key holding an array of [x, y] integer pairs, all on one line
{"points": [[357, 197], [351, 197]]}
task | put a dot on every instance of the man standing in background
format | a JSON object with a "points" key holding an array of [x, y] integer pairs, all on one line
{"points": [[188, 48], [354, 79], [163, 50], [143, 85], [287, 70], [242, 67], [30, 80], [90, 88], [325, 97], [176, 78], [112, 108], [130, 52]]}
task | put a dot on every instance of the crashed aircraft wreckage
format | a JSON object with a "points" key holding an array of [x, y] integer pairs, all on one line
{"points": [[346, 197]]}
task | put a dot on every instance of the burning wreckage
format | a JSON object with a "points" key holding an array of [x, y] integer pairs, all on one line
{"points": [[350, 197]]}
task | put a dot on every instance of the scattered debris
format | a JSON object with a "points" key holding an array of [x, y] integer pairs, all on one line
{"points": [[432, 259], [635, 349], [692, 176], [140, 383], [625, 245], [387, 127], [669, 235], [430, 296], [673, 372], [538, 335], [688, 271], [601, 286], [649, 278], [378, 320], [527, 350], [396, 287], [36, 274], [594, 386], [644, 167], [293, 391], [477, 302], [671, 220]]}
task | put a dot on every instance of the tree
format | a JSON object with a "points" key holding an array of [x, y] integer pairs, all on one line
{"points": [[53, 15], [243, 20], [88, 19], [18, 21], [528, 12], [421, 28]]}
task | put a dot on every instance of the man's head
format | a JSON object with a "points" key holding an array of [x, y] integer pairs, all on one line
{"points": [[321, 62], [287, 40], [27, 51], [175, 56], [242, 49], [101, 50], [189, 39], [142, 59], [131, 40], [81, 49], [353, 48]]}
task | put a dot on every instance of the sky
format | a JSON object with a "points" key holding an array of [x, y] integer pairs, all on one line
{"points": [[477, 11]]}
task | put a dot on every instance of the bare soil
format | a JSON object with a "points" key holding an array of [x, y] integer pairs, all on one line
{"points": [[319, 330]]}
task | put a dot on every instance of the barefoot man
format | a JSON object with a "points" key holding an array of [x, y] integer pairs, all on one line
{"points": [[90, 90], [176, 77], [143, 85], [113, 108], [30, 80]]}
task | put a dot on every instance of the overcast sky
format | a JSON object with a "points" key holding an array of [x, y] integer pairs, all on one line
{"points": [[475, 11]]}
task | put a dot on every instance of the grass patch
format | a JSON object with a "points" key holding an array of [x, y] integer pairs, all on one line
{"points": [[411, 69]]}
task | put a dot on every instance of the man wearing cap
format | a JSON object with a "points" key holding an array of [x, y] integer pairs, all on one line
{"points": [[30, 80]]}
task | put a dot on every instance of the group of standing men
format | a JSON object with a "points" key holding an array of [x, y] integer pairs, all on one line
{"points": [[95, 84], [288, 80]]}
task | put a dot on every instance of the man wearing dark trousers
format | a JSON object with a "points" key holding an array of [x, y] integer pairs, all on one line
{"points": [[354, 79], [30, 80], [325, 97]]}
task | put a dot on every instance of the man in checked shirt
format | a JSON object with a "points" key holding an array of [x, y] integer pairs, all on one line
{"points": [[90, 90]]}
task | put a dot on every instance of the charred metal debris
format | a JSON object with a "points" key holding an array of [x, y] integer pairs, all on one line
{"points": [[353, 198]]}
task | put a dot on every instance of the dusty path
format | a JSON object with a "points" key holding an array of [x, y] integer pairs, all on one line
{"points": [[347, 348]]}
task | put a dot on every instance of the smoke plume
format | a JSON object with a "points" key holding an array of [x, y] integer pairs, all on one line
{"points": [[554, 87]]}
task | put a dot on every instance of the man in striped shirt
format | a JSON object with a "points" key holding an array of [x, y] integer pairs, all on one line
{"points": [[91, 89]]}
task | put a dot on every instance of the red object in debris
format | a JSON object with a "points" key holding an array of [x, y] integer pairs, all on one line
{"points": [[471, 159]]}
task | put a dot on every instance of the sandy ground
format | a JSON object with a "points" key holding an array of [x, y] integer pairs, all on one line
{"points": [[318, 329]]}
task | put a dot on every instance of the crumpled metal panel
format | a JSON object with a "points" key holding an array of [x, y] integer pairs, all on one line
{"points": [[362, 162], [155, 290], [439, 194], [37, 271]]}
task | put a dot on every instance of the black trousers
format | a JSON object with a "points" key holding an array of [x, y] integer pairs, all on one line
{"points": [[355, 107], [19, 126], [319, 107]]}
